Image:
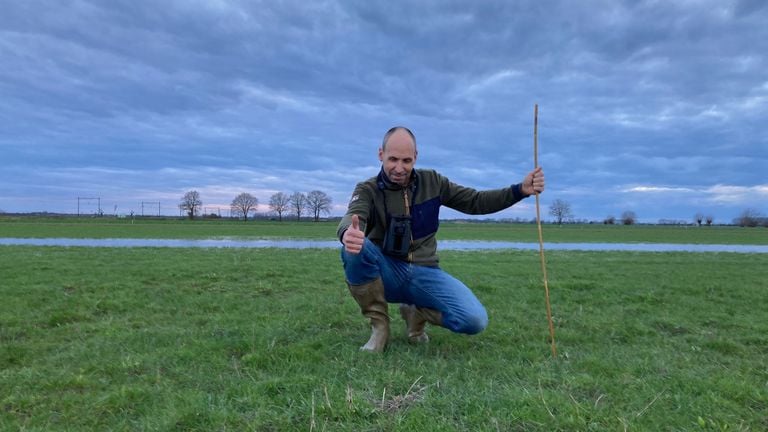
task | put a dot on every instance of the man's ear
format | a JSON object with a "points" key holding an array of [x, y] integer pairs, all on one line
{"points": [[381, 154]]}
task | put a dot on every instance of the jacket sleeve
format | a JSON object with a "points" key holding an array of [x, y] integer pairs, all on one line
{"points": [[472, 201], [360, 204]]}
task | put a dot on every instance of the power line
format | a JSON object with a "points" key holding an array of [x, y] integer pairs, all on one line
{"points": [[88, 199], [152, 203]]}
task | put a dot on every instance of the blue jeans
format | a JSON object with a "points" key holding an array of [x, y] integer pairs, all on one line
{"points": [[427, 287]]}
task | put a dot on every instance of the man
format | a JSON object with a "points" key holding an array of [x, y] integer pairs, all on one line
{"points": [[389, 251]]}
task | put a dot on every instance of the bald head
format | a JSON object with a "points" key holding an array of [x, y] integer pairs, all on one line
{"points": [[398, 154], [403, 134]]}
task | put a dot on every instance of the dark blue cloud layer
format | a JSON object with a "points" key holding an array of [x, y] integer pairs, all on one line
{"points": [[648, 106]]}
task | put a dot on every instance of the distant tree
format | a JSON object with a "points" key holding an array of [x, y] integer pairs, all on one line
{"points": [[709, 219], [279, 203], [698, 218], [610, 220], [560, 210], [298, 202], [243, 204], [628, 217], [318, 202], [748, 218], [191, 203]]}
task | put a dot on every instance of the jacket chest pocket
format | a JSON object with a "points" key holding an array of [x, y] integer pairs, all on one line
{"points": [[425, 218]]}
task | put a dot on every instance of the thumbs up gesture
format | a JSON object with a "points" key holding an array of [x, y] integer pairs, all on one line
{"points": [[353, 238]]}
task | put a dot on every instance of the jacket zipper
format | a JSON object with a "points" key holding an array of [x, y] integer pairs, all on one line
{"points": [[408, 213]]}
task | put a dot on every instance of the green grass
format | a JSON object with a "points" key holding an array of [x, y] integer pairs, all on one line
{"points": [[185, 229], [237, 339], [161, 228], [586, 233]]}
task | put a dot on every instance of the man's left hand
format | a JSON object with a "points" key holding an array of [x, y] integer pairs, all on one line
{"points": [[533, 182]]}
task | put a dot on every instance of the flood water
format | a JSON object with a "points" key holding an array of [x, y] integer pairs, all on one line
{"points": [[456, 245]]}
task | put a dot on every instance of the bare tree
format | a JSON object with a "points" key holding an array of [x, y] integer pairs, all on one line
{"points": [[298, 201], [279, 204], [191, 203], [628, 217], [243, 204], [749, 218], [318, 202], [698, 218], [610, 220], [709, 220], [560, 210]]}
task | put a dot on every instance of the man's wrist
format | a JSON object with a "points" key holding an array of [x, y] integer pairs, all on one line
{"points": [[518, 193]]}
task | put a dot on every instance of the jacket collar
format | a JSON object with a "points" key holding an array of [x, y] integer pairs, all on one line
{"points": [[384, 183]]}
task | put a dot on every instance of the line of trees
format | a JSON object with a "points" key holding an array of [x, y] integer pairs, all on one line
{"points": [[315, 204], [627, 218], [561, 211]]}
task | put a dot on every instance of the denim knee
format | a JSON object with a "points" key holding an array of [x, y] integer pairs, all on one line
{"points": [[473, 323], [362, 267]]}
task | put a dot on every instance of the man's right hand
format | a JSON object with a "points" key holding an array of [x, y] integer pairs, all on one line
{"points": [[353, 238]]}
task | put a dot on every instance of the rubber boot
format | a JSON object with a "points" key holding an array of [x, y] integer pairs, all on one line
{"points": [[415, 319], [373, 305]]}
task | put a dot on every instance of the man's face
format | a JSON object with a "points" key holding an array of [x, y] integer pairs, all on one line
{"points": [[399, 157]]}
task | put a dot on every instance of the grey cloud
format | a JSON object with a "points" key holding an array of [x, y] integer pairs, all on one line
{"points": [[627, 90]]}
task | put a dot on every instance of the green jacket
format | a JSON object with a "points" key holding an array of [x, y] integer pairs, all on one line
{"points": [[421, 199]]}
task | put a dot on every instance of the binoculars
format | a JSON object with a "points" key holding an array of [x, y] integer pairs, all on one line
{"points": [[397, 241]]}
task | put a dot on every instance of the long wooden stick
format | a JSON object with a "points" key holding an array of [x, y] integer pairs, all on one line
{"points": [[541, 236]]}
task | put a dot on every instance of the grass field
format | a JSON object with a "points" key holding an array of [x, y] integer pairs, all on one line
{"points": [[266, 340], [176, 228]]}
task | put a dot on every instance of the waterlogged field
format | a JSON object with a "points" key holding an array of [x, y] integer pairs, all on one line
{"points": [[27, 227], [244, 339]]}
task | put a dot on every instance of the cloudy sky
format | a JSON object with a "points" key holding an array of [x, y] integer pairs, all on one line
{"points": [[657, 107]]}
